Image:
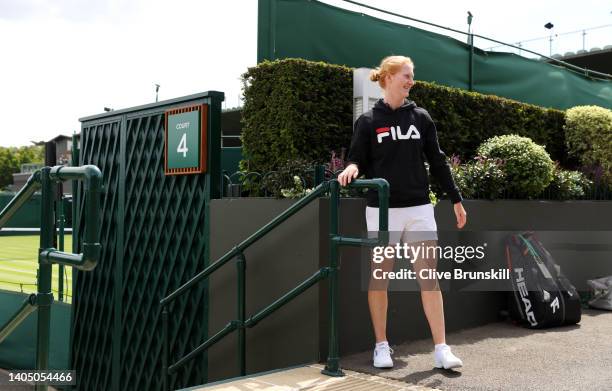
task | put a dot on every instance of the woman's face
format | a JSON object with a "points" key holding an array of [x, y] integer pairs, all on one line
{"points": [[400, 82]]}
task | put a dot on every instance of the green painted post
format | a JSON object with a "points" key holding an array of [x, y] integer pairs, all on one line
{"points": [[471, 75], [319, 174], [216, 98], [44, 295], [214, 184], [241, 266], [61, 222], [333, 360]]}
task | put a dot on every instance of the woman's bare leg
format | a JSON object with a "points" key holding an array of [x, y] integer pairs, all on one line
{"points": [[378, 300], [431, 296]]}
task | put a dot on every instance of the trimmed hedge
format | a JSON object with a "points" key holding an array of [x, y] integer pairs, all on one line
{"points": [[465, 119], [298, 109], [295, 109], [588, 132]]}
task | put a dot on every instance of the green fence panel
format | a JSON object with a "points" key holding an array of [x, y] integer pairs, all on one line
{"points": [[95, 292], [285, 29], [154, 239], [26, 217], [531, 81], [230, 158], [18, 350]]}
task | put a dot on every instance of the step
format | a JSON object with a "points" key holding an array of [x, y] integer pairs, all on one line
{"points": [[309, 377]]}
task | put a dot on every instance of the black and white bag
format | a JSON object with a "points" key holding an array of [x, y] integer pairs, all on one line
{"points": [[541, 295]]}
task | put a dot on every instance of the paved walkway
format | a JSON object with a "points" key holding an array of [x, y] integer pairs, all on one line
{"points": [[501, 356], [310, 378]]}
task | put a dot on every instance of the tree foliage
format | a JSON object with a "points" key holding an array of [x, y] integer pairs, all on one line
{"points": [[11, 159]]}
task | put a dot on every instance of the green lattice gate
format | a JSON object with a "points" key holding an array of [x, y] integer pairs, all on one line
{"points": [[154, 238]]}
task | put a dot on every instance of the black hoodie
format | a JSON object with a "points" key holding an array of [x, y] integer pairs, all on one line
{"points": [[393, 144]]}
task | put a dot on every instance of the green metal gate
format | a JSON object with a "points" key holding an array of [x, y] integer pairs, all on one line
{"points": [[154, 238]]}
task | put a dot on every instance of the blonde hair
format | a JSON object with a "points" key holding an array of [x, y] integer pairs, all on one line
{"points": [[389, 66]]}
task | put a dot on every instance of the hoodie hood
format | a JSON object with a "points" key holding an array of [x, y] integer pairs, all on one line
{"points": [[381, 105]]}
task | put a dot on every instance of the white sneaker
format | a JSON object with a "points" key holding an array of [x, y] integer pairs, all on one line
{"points": [[444, 358], [382, 356]]}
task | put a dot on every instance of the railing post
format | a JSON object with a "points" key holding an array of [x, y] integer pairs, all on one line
{"points": [[333, 360], [319, 174], [61, 222], [241, 266], [45, 296], [471, 63], [165, 380]]}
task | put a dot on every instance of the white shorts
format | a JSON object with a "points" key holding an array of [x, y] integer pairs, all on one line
{"points": [[406, 225]]}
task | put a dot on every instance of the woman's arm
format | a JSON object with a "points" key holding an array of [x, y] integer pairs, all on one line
{"points": [[438, 165], [359, 152], [440, 169]]}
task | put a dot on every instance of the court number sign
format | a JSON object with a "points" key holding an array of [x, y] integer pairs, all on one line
{"points": [[186, 130]]}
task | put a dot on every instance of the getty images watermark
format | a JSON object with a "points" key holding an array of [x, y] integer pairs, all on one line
{"points": [[479, 261], [431, 253]]}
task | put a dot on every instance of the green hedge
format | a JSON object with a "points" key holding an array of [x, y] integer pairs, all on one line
{"points": [[588, 132], [295, 108], [465, 119]]}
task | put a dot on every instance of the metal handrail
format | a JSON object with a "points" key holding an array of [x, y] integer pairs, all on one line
{"points": [[43, 179], [332, 368], [87, 260], [28, 306], [26, 192], [319, 190]]}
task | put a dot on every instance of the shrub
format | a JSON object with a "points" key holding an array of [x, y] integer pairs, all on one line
{"points": [[528, 167], [274, 182], [568, 185], [295, 108], [481, 178], [588, 133], [297, 191]]}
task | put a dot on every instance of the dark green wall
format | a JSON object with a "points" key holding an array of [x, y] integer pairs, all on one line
{"points": [[285, 29], [29, 214], [18, 350]]}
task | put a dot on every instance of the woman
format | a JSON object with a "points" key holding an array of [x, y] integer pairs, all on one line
{"points": [[390, 142]]}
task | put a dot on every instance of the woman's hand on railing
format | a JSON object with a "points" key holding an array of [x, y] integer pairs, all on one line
{"points": [[350, 172]]}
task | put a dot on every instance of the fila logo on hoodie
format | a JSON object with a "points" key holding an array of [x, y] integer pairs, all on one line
{"points": [[396, 133]]}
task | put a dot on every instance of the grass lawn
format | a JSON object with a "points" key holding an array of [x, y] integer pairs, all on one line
{"points": [[19, 264]]}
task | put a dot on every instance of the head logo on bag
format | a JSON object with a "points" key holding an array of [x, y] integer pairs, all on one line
{"points": [[555, 305], [522, 288]]}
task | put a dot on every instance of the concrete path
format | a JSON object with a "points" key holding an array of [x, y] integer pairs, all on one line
{"points": [[502, 356], [310, 378]]}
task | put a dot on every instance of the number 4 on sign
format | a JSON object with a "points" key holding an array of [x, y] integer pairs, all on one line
{"points": [[182, 147]]}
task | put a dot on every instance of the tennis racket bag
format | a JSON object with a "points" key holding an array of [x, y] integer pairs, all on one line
{"points": [[541, 295]]}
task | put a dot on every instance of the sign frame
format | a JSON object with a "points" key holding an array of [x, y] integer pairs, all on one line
{"points": [[203, 144]]}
